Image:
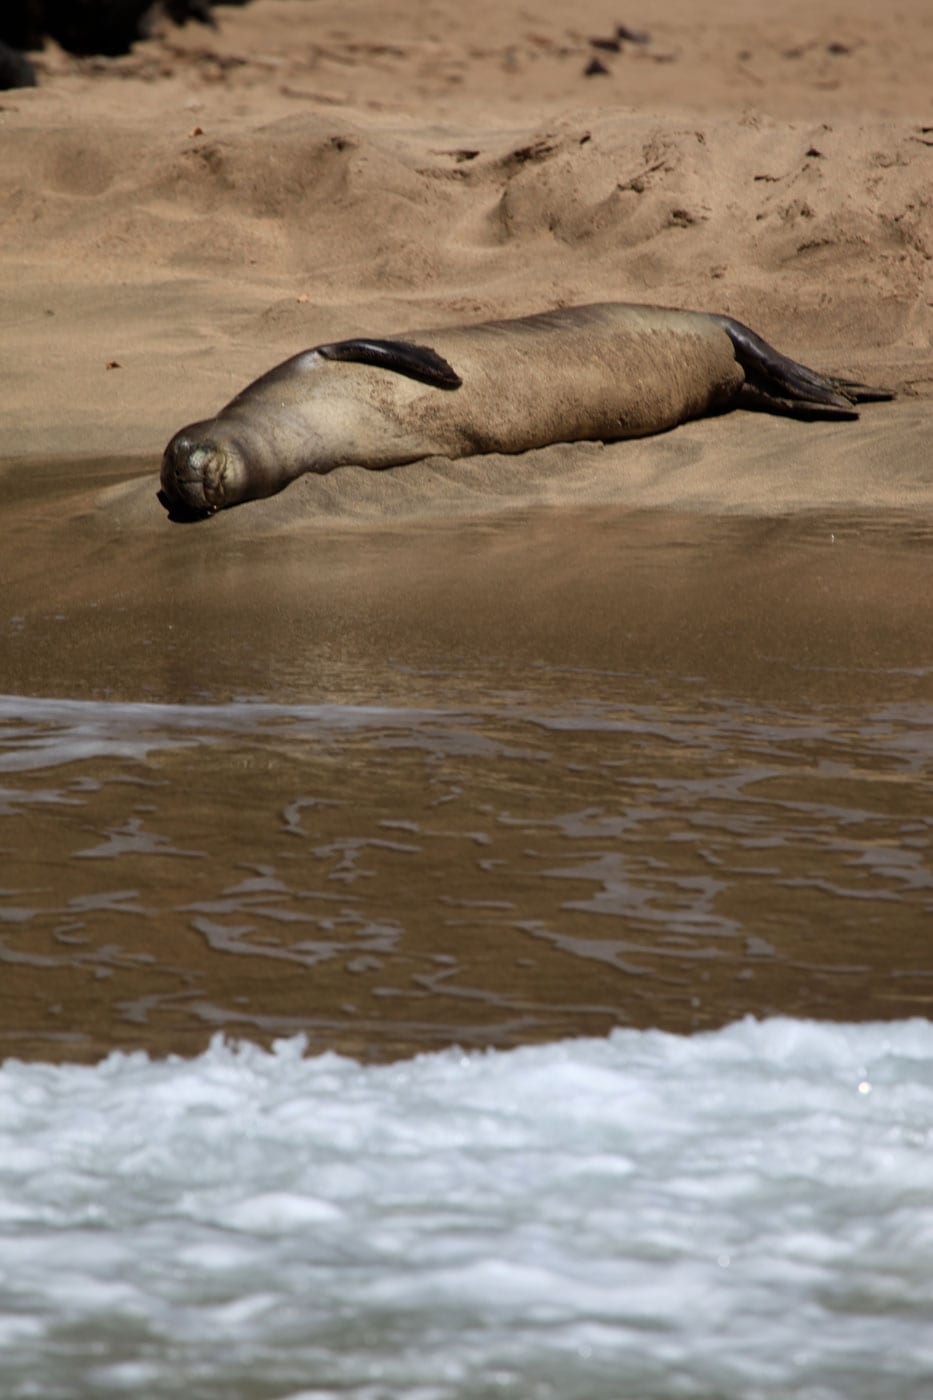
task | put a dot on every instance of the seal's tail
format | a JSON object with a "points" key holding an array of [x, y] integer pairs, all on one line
{"points": [[783, 384]]}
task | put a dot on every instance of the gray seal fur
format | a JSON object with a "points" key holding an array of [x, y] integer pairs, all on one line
{"points": [[585, 373]]}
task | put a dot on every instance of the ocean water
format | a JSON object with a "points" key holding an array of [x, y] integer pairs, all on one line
{"points": [[508, 867], [452, 836], [744, 1213]]}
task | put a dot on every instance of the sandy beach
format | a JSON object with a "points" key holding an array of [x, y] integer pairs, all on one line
{"points": [[742, 605], [177, 220]]}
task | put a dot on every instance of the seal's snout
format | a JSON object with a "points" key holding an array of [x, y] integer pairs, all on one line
{"points": [[193, 472]]}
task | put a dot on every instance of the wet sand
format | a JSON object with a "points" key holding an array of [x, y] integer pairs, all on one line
{"points": [[521, 776]]}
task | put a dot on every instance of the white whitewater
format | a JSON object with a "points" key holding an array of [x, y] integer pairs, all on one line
{"points": [[747, 1213]]}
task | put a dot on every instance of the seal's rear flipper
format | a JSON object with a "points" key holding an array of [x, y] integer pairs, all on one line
{"points": [[776, 380], [415, 361], [859, 393]]}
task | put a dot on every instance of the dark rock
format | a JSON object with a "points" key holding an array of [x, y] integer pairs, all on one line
{"points": [[15, 68], [86, 27]]}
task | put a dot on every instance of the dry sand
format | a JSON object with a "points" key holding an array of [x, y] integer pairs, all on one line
{"points": [[176, 221]]}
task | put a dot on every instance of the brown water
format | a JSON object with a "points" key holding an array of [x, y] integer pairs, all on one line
{"points": [[482, 782]]}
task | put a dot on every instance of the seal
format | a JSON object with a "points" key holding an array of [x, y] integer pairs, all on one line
{"points": [[585, 373]]}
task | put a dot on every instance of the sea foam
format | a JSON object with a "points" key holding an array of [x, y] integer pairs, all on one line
{"points": [[746, 1213]]}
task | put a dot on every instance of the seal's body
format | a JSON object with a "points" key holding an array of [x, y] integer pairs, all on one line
{"points": [[598, 372]]}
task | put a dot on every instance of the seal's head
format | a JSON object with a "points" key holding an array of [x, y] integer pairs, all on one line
{"points": [[200, 472]]}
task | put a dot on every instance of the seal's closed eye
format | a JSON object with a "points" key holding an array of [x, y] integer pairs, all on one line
{"points": [[415, 361]]}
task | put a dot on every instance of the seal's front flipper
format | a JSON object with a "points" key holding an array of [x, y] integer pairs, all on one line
{"points": [[792, 388], [415, 361]]}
